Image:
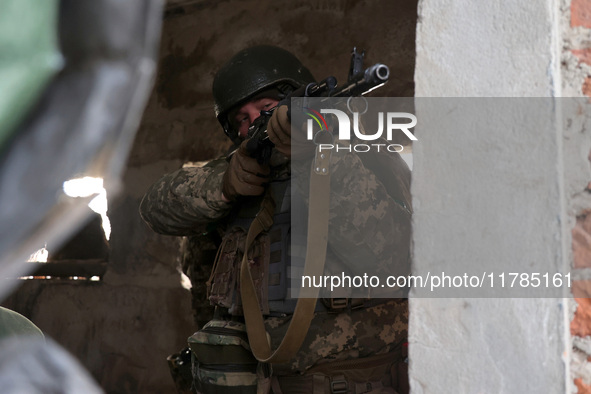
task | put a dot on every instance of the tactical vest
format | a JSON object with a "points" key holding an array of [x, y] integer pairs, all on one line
{"points": [[279, 254], [274, 257]]}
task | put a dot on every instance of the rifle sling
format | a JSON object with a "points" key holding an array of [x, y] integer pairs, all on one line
{"points": [[318, 212]]}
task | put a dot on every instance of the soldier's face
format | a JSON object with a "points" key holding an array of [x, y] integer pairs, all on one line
{"points": [[250, 111]]}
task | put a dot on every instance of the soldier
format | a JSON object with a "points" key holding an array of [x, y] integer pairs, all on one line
{"points": [[352, 345]]}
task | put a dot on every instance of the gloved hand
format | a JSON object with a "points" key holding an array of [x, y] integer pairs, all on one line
{"points": [[279, 130], [244, 176]]}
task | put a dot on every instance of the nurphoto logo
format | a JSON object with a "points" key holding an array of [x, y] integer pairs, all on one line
{"points": [[388, 123]]}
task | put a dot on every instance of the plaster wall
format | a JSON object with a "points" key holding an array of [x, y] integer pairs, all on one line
{"points": [[493, 49], [489, 196]]}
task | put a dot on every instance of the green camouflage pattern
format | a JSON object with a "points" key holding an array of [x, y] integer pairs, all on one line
{"points": [[344, 336], [198, 255], [217, 378], [184, 203], [189, 200], [234, 334], [212, 381], [376, 228]]}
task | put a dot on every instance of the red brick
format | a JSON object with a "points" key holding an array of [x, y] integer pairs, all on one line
{"points": [[584, 55], [581, 323], [582, 242], [580, 13], [581, 288], [582, 387], [587, 87], [585, 220]]}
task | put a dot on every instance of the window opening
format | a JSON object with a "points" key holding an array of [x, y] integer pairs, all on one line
{"points": [[85, 187], [84, 256]]}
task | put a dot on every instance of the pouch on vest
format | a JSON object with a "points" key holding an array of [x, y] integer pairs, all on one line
{"points": [[223, 287], [221, 359]]}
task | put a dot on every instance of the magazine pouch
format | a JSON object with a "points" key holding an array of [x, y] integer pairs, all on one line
{"points": [[221, 359]]}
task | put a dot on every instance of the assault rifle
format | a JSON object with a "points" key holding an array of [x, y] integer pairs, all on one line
{"points": [[359, 82]]}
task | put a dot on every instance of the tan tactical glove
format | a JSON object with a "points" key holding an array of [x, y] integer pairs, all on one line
{"points": [[279, 130], [245, 176]]}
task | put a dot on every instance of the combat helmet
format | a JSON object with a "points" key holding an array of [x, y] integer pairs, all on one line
{"points": [[252, 71]]}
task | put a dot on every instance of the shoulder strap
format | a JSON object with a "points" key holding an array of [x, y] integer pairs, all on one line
{"points": [[314, 266]]}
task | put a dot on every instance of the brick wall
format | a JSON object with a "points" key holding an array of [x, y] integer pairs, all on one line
{"points": [[576, 65], [580, 326]]}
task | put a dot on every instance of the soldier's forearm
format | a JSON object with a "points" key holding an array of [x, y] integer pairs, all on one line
{"points": [[184, 202]]}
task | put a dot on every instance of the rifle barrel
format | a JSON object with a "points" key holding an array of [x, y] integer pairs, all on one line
{"points": [[370, 79]]}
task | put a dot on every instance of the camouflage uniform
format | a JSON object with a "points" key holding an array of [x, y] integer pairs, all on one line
{"points": [[369, 221], [181, 204], [186, 202]]}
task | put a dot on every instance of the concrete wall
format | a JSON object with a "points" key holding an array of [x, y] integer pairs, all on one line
{"points": [[513, 195], [123, 328]]}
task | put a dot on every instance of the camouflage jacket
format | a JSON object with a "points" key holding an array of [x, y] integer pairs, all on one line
{"points": [[186, 201], [189, 200]]}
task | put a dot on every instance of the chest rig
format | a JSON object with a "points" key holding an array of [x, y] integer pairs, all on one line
{"points": [[270, 257]]}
